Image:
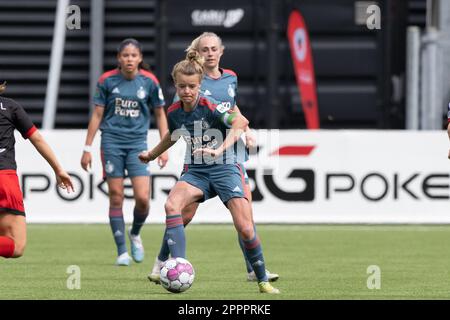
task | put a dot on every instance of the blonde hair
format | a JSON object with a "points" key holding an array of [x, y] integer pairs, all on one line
{"points": [[191, 65], [2, 87], [196, 42]]}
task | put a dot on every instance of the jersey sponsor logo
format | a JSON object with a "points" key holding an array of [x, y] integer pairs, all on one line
{"points": [[203, 138], [1, 106], [141, 93], [231, 91], [223, 107], [127, 108], [109, 167], [116, 90]]}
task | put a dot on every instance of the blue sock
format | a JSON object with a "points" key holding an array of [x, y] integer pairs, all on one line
{"points": [[138, 221], [175, 236], [254, 253], [241, 244], [118, 229], [164, 251]]}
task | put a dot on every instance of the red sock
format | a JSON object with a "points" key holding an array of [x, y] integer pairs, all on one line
{"points": [[6, 247]]}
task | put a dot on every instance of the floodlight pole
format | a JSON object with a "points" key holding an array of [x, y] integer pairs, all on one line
{"points": [[54, 75]]}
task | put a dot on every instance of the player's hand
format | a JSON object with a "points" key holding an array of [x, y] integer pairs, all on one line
{"points": [[146, 156], [86, 161], [162, 159], [64, 182], [213, 153], [250, 139]]}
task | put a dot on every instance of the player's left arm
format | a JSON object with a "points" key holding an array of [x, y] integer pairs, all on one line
{"points": [[163, 127], [62, 177], [250, 139]]}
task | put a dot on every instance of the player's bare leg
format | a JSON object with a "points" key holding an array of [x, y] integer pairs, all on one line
{"points": [[188, 212], [14, 227]]}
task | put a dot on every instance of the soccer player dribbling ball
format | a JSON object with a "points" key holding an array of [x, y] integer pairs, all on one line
{"points": [[13, 233], [122, 112], [211, 168], [221, 85]]}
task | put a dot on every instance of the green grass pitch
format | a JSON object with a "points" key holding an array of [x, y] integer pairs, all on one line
{"points": [[314, 262]]}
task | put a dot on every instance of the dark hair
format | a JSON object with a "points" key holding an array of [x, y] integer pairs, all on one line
{"points": [[137, 45]]}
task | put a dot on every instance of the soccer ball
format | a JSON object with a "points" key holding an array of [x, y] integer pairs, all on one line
{"points": [[177, 275]]}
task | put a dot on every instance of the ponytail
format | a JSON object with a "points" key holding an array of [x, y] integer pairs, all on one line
{"points": [[191, 65]]}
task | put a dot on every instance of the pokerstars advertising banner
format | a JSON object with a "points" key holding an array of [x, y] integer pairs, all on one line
{"points": [[302, 61], [297, 176]]}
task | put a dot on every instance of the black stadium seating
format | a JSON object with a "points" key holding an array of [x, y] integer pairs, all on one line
{"points": [[354, 66]]}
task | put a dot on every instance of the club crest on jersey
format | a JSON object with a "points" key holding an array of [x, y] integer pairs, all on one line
{"points": [[109, 167], [141, 93], [231, 91], [205, 125]]}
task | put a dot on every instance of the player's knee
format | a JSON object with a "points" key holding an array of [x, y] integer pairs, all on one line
{"points": [[247, 232], [142, 203], [171, 207], [116, 198]]}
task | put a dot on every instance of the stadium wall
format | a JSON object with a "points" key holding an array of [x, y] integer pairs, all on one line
{"points": [[297, 176]]}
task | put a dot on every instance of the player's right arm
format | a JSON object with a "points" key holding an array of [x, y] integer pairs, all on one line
{"points": [[94, 124], [162, 146]]}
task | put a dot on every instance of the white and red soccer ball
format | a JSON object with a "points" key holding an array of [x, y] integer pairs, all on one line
{"points": [[177, 275]]}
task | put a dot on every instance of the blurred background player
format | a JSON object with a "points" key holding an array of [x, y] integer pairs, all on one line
{"points": [[221, 85], [448, 125], [122, 101], [208, 172], [13, 233]]}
